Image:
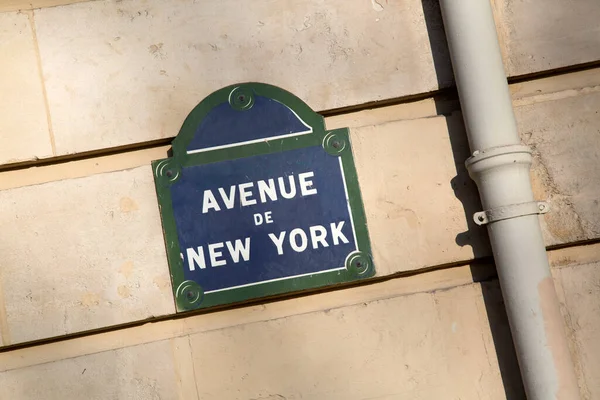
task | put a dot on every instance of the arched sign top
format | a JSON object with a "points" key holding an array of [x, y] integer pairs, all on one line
{"points": [[259, 199], [244, 114]]}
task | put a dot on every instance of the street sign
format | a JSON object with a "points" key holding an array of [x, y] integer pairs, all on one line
{"points": [[259, 199]]}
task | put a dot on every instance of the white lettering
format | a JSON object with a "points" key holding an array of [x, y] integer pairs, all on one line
{"points": [[292, 192], [239, 249], [229, 201], [245, 194], [336, 232], [195, 258], [268, 217], [212, 251], [305, 184], [258, 219], [278, 241], [293, 240], [318, 235], [209, 202], [265, 190], [288, 187]]}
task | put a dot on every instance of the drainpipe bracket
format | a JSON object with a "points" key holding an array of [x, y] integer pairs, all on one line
{"points": [[510, 211]]}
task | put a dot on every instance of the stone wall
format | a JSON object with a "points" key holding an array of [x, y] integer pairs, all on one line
{"points": [[93, 91]]}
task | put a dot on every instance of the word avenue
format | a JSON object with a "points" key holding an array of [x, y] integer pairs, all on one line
{"points": [[269, 190]]}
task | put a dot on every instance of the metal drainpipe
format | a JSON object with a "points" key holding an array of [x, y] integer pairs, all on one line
{"points": [[500, 166]]}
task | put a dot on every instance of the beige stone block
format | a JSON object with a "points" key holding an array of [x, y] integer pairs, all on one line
{"points": [[417, 194], [555, 87], [130, 71], [563, 133], [82, 254], [390, 341], [125, 72], [145, 372], [538, 35], [581, 286], [16, 5], [24, 131], [576, 255], [135, 158], [420, 200], [422, 346], [441, 279], [82, 167], [426, 108], [3, 322]]}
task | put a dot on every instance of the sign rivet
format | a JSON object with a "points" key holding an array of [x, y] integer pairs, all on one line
{"points": [[241, 99], [189, 295], [358, 262], [169, 173], [334, 144]]}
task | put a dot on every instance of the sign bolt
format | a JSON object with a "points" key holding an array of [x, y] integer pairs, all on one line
{"points": [[189, 295], [358, 262]]}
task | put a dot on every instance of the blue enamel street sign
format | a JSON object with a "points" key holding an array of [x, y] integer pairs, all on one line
{"points": [[259, 200]]}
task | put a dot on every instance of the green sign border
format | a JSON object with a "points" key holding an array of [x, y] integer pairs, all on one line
{"points": [[188, 294]]}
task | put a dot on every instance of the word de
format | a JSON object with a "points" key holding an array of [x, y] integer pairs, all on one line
{"points": [[267, 219]]}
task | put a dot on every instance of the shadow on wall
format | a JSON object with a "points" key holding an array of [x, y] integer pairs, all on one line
{"points": [[465, 190]]}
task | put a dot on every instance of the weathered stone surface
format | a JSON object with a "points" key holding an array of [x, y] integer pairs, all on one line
{"points": [[449, 339], [16, 5], [417, 194], [420, 200], [130, 71], [147, 372], [555, 87], [82, 167], [82, 254], [404, 347], [565, 136], [24, 131], [118, 73], [538, 35], [392, 344], [180, 327], [429, 107], [581, 286]]}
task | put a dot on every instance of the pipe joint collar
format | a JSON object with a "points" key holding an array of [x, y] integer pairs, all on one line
{"points": [[494, 157]]}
